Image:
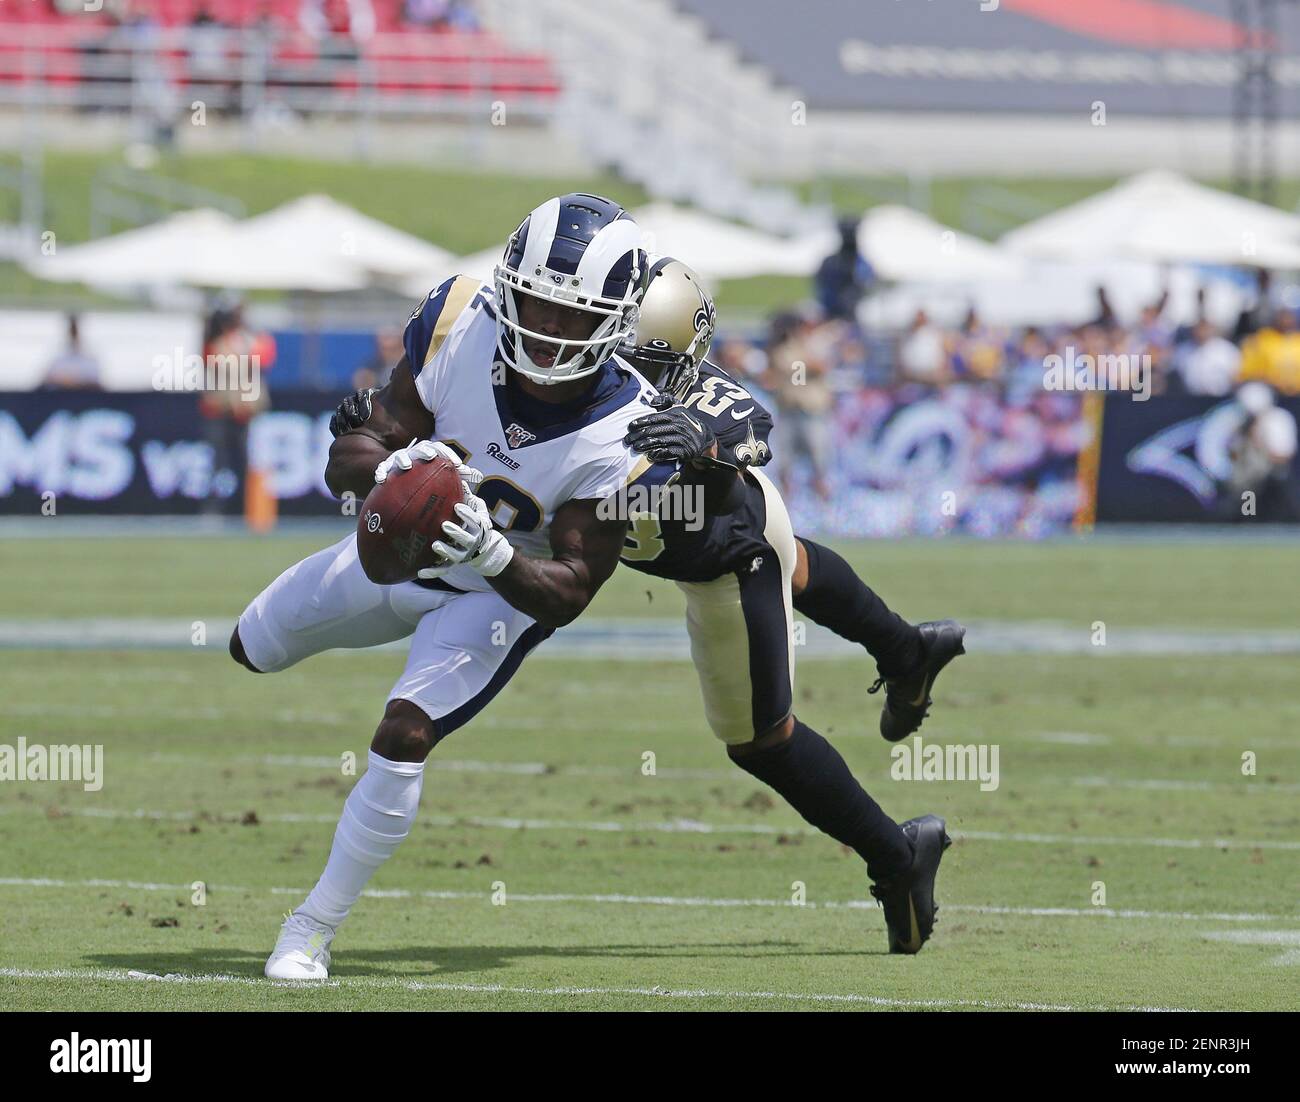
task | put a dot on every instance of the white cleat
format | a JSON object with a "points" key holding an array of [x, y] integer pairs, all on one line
{"points": [[302, 951]]}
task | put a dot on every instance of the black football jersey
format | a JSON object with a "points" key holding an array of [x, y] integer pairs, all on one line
{"points": [[669, 535]]}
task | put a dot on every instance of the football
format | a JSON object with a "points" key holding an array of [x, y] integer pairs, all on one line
{"points": [[401, 518]]}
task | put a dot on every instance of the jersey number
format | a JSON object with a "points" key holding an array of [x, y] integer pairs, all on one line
{"points": [[645, 539], [512, 507], [717, 395]]}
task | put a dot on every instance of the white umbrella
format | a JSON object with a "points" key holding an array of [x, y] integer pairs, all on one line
{"points": [[479, 265], [1055, 293], [241, 263], [309, 244], [154, 254], [318, 233], [905, 246], [201, 248], [715, 248], [1161, 216], [718, 249]]}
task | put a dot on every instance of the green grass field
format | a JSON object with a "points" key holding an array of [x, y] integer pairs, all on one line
{"points": [[671, 891]]}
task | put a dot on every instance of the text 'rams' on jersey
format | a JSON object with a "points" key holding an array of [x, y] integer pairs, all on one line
{"points": [[534, 455], [661, 539]]}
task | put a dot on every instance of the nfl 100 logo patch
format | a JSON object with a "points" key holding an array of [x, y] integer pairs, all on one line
{"points": [[517, 436]]}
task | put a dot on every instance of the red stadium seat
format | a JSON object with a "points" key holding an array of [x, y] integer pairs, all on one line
{"points": [[66, 50]]}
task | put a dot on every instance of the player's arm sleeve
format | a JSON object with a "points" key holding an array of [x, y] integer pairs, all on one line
{"points": [[723, 487], [648, 473], [615, 486], [602, 481], [426, 333]]}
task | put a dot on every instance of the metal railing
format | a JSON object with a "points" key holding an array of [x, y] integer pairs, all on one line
{"points": [[121, 194]]}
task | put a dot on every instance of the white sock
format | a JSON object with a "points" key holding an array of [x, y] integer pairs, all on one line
{"points": [[376, 818]]}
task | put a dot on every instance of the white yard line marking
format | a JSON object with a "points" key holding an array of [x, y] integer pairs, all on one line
{"points": [[666, 900], [674, 826], [1166, 784], [222, 714], [1120, 913], [633, 772], [1289, 938], [394, 984], [153, 711], [1079, 738], [664, 638], [465, 765], [1105, 840], [1072, 738]]}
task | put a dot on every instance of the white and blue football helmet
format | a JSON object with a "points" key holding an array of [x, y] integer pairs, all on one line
{"points": [[580, 251]]}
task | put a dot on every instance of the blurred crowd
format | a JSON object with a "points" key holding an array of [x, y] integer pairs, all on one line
{"points": [[1191, 358], [1195, 357], [228, 338], [813, 363]]}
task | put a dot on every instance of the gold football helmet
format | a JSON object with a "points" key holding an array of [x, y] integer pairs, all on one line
{"points": [[674, 330]]}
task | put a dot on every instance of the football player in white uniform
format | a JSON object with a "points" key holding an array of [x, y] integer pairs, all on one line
{"points": [[742, 571], [520, 380]]}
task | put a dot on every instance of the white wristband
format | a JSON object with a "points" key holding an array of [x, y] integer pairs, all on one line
{"points": [[494, 557]]}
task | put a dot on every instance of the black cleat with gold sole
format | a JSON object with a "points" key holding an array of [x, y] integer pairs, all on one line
{"points": [[907, 699], [908, 897]]}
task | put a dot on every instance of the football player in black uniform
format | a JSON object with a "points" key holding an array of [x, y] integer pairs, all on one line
{"points": [[742, 569], [674, 333], [713, 426]]}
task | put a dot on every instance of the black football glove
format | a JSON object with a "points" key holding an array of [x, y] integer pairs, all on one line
{"points": [[672, 435], [353, 412]]}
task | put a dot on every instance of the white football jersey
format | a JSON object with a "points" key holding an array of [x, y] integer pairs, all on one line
{"points": [[534, 455]]}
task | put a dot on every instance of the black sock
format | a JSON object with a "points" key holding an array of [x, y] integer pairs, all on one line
{"points": [[837, 598], [809, 772]]}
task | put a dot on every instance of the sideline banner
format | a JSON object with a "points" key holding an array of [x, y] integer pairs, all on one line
{"points": [[917, 461], [153, 453], [905, 462], [1168, 460]]}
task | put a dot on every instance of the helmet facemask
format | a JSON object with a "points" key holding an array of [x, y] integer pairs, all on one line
{"points": [[574, 357], [671, 372], [675, 328], [580, 252]]}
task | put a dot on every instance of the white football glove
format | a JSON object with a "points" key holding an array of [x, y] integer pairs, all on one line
{"points": [[426, 451], [473, 542]]}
